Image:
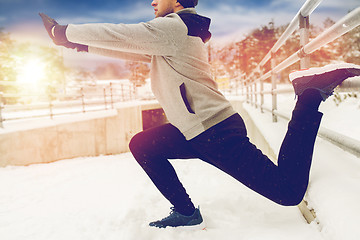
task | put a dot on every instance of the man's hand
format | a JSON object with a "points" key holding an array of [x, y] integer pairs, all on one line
{"points": [[57, 34], [49, 24]]}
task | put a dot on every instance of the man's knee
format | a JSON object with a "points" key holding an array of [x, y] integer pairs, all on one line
{"points": [[138, 149], [292, 198], [135, 142]]}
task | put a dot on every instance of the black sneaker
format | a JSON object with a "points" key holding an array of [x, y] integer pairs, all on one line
{"points": [[176, 219], [325, 79]]}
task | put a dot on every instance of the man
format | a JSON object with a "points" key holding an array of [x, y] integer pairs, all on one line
{"points": [[203, 124]]}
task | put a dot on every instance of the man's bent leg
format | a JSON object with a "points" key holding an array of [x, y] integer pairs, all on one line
{"points": [[152, 148]]}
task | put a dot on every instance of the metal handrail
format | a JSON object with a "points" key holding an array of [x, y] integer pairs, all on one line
{"points": [[308, 7], [344, 25]]}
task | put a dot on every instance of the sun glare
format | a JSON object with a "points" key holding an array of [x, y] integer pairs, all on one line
{"points": [[31, 72]]}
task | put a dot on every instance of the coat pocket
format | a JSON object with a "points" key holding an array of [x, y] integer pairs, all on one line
{"points": [[184, 98]]}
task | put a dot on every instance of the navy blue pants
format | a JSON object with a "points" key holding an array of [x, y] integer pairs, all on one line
{"points": [[227, 147]]}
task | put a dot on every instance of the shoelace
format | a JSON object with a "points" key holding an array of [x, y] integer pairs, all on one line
{"points": [[173, 211]]}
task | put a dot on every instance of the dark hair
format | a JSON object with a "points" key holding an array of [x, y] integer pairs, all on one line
{"points": [[188, 3]]}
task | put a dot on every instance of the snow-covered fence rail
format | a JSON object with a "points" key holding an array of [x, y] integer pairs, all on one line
{"points": [[256, 79], [82, 99]]}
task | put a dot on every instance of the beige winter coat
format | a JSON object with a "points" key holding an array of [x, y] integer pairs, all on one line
{"points": [[180, 73]]}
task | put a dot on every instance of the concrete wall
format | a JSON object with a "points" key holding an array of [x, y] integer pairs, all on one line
{"points": [[90, 135]]}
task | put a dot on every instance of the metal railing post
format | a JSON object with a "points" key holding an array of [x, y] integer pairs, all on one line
{"points": [[304, 39], [50, 106], [304, 26], [82, 99], [247, 92], [261, 91], [242, 87], [122, 92], [111, 96], [130, 92], [237, 87], [251, 94], [273, 88], [255, 94], [105, 98], [1, 107]]}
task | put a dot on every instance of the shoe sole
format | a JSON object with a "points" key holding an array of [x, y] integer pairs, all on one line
{"points": [[198, 227], [319, 70], [316, 78]]}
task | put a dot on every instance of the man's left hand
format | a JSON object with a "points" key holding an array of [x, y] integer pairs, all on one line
{"points": [[57, 34]]}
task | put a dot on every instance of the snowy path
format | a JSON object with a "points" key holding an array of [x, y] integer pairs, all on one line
{"points": [[110, 197]]}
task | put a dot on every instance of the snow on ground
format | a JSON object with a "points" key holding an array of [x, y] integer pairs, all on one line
{"points": [[334, 189], [110, 197]]}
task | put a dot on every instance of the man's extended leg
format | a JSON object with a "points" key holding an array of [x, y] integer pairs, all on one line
{"points": [[227, 147], [152, 148], [295, 156]]}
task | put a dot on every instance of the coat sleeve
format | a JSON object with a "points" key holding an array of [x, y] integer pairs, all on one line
{"points": [[119, 54], [159, 36]]}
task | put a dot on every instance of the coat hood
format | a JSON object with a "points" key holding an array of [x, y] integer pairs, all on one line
{"points": [[198, 26]]}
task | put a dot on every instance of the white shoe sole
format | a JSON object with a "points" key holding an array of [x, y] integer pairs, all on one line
{"points": [[320, 70], [201, 226], [198, 227]]}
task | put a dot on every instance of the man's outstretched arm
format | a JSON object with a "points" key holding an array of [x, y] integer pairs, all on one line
{"points": [[57, 33], [159, 36]]}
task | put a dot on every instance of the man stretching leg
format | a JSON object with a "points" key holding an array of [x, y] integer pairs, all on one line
{"points": [[203, 123]]}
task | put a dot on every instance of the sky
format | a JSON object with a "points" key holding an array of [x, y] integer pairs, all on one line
{"points": [[231, 19]]}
